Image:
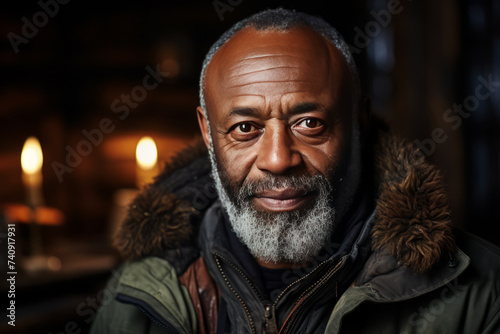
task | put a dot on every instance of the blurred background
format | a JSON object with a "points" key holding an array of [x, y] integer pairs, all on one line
{"points": [[89, 80]]}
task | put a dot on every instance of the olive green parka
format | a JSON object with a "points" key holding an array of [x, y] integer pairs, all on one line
{"points": [[421, 275]]}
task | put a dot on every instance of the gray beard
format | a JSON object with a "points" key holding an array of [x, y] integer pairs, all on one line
{"points": [[291, 236]]}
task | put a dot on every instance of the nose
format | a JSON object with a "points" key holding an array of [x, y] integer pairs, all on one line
{"points": [[276, 154]]}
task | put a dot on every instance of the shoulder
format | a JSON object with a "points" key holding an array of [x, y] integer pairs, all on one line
{"points": [[114, 316], [147, 277], [479, 284], [484, 256], [142, 290]]}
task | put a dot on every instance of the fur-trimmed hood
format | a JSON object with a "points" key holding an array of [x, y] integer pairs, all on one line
{"points": [[412, 212]]}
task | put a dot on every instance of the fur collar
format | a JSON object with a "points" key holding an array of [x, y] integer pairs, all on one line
{"points": [[412, 212]]}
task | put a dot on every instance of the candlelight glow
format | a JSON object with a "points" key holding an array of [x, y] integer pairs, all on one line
{"points": [[31, 156], [146, 153]]}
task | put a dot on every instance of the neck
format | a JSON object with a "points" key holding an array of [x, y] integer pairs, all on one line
{"points": [[280, 265]]}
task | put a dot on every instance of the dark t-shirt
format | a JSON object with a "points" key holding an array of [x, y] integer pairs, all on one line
{"points": [[273, 281]]}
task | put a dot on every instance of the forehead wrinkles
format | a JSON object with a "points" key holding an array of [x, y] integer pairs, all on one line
{"points": [[275, 74], [272, 69], [269, 63]]}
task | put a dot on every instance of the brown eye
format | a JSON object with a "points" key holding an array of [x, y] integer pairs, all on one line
{"points": [[311, 123], [310, 127], [244, 131], [245, 127]]}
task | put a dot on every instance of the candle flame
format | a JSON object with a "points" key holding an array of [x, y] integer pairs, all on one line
{"points": [[146, 153], [31, 156]]}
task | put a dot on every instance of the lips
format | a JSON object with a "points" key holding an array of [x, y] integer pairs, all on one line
{"points": [[280, 199]]}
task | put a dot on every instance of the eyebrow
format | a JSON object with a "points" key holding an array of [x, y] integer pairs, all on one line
{"points": [[294, 110], [244, 111], [305, 107]]}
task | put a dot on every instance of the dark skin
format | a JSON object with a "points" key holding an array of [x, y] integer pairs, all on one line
{"points": [[279, 103]]}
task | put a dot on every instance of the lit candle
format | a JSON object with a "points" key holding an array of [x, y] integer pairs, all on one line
{"points": [[31, 163], [146, 156]]}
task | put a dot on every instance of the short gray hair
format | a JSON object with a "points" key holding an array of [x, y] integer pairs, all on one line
{"points": [[281, 19]]}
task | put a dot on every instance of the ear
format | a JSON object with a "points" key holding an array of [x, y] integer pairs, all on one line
{"points": [[202, 121], [364, 113]]}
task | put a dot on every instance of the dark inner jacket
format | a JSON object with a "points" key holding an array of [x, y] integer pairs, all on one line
{"points": [[396, 244]]}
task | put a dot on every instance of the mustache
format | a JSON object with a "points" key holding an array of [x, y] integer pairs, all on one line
{"points": [[302, 183]]}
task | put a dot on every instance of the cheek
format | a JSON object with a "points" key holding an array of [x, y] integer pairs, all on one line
{"points": [[322, 160], [236, 164], [328, 158]]}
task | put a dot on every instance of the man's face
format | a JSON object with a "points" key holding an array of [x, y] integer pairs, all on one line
{"points": [[280, 111]]}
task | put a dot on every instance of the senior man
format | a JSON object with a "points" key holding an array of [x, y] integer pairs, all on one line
{"points": [[320, 221]]}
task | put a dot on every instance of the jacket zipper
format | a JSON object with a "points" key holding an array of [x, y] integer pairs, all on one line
{"points": [[308, 293], [245, 307], [271, 324], [299, 280], [156, 321]]}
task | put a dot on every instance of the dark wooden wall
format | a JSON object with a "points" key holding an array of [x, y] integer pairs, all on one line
{"points": [[417, 59]]}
